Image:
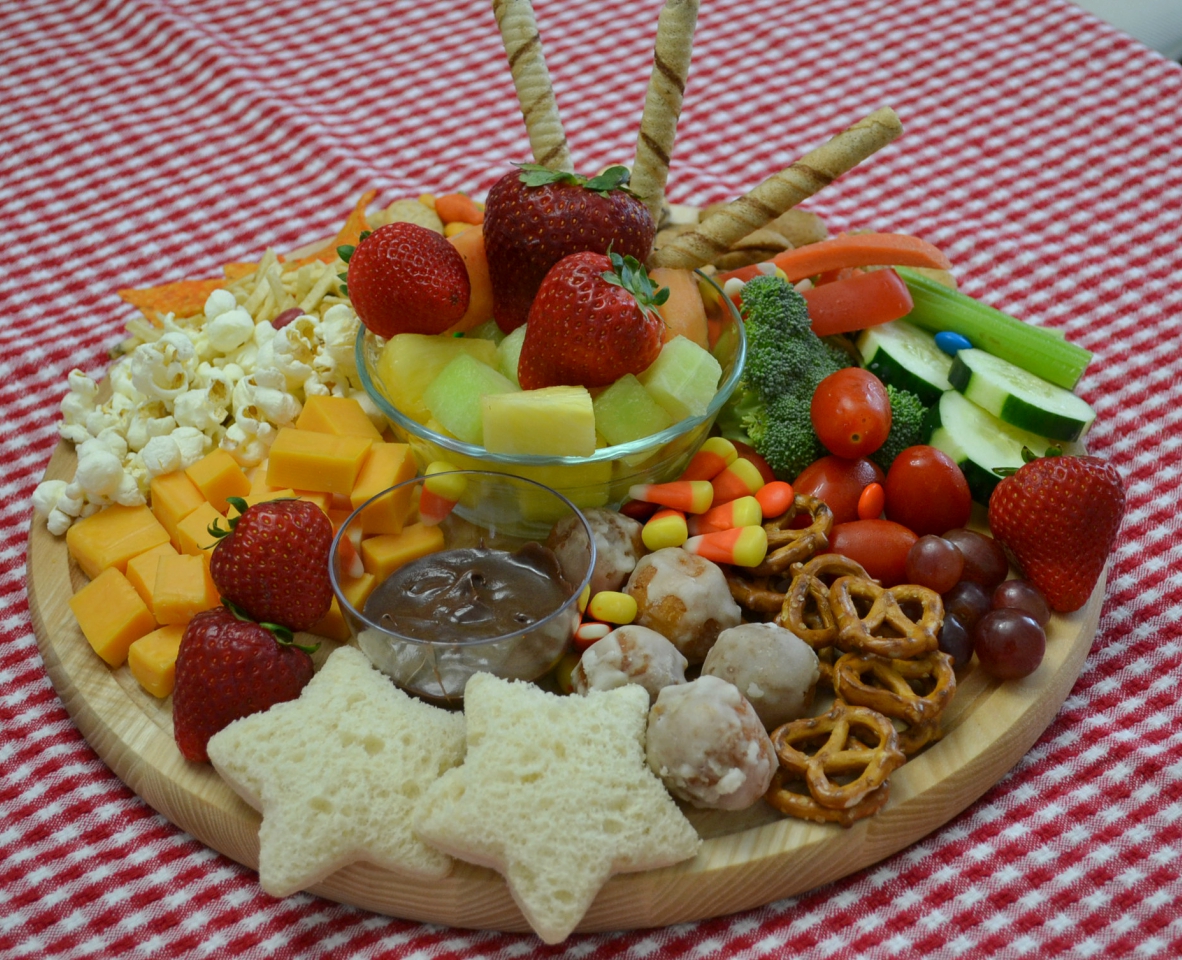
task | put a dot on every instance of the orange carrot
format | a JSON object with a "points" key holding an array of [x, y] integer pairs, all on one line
{"points": [[851, 250], [458, 208], [185, 298]]}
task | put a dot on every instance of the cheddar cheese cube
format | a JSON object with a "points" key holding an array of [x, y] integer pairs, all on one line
{"points": [[193, 534], [141, 570], [218, 476], [113, 536], [308, 460], [267, 493], [340, 416], [356, 589], [112, 615], [173, 497], [388, 464], [386, 552], [316, 497], [152, 659], [183, 589]]}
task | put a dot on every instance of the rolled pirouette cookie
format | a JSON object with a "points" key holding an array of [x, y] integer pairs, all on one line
{"points": [[662, 103], [531, 79], [779, 193]]}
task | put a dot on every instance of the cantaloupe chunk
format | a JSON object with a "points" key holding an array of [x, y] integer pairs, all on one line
{"points": [[385, 553], [388, 464], [307, 460], [183, 589], [173, 497], [152, 659], [112, 615], [340, 416], [684, 312], [193, 532], [470, 245], [113, 536], [141, 570], [218, 476]]}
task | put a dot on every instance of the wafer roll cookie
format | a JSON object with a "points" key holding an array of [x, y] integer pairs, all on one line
{"points": [[531, 79], [662, 103], [779, 193]]}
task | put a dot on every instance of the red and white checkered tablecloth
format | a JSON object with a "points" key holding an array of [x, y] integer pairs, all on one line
{"points": [[145, 140]]}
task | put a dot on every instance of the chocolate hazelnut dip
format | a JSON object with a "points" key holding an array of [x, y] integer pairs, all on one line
{"points": [[470, 593]]}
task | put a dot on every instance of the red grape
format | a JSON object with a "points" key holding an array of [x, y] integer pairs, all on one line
{"points": [[935, 563], [968, 601], [955, 641], [985, 559], [1009, 644], [1022, 595]]}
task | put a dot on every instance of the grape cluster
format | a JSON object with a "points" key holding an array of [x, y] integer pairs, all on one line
{"points": [[1002, 621]]}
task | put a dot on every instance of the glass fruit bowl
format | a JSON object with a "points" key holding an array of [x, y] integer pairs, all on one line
{"points": [[601, 479], [485, 589]]}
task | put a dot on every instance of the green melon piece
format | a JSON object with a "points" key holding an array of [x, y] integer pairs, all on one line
{"points": [[486, 331], [509, 353], [625, 411], [454, 396], [409, 363], [683, 379]]}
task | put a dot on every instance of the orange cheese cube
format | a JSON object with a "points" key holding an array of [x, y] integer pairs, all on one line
{"points": [[307, 460], [112, 615], [385, 553], [388, 464], [174, 496], [193, 534], [333, 624], [340, 416], [113, 536], [356, 590], [141, 570], [183, 588], [152, 659], [218, 476], [267, 493]]}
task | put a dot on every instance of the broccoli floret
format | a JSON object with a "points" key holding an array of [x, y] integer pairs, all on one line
{"points": [[908, 426], [785, 362]]}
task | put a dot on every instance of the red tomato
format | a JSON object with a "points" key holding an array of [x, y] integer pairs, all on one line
{"points": [[839, 482], [926, 491], [881, 546], [851, 412]]}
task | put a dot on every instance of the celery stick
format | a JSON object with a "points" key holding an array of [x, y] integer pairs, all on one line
{"points": [[1045, 353]]}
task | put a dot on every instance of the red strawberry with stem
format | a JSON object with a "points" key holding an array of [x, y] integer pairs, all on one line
{"points": [[404, 278], [535, 216], [273, 562], [1058, 517], [594, 320], [229, 667]]}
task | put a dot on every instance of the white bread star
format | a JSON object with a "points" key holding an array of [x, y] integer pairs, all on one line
{"points": [[340, 775], [555, 794]]}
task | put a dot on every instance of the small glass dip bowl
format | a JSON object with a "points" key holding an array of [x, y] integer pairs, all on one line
{"points": [[478, 592]]}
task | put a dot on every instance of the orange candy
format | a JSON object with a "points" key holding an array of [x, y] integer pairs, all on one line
{"points": [[743, 512], [715, 455], [741, 479], [690, 496], [775, 498], [871, 502], [741, 546]]}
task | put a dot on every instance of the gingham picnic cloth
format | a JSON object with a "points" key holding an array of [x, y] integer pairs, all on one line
{"points": [[147, 140]]}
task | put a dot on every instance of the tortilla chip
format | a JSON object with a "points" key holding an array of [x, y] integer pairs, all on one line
{"points": [[183, 298]]}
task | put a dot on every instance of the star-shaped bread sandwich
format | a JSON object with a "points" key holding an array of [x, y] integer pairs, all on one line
{"points": [[340, 774], [555, 794]]}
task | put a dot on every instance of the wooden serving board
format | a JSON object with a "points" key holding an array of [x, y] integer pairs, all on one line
{"points": [[748, 859]]}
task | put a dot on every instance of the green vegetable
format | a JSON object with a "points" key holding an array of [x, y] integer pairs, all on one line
{"points": [[908, 426], [785, 361]]}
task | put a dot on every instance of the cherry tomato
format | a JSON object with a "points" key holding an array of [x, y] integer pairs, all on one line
{"points": [[839, 482], [881, 546], [926, 491], [851, 412]]}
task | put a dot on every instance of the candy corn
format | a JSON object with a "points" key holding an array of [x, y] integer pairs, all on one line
{"points": [[441, 491], [715, 455], [741, 479], [612, 607], [775, 498], [348, 555], [691, 496], [665, 528], [563, 671], [743, 512], [741, 546], [590, 631], [584, 598]]}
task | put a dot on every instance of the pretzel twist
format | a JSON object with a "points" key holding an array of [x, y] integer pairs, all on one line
{"points": [[790, 795], [787, 546], [885, 629], [888, 686], [755, 594]]}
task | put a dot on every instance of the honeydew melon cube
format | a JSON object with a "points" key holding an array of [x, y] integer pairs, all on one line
{"points": [[683, 379], [625, 411], [486, 331], [410, 362], [454, 396], [509, 353], [552, 421]]}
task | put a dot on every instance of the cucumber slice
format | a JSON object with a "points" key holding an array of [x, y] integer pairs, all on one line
{"points": [[979, 442], [1017, 397], [901, 354]]}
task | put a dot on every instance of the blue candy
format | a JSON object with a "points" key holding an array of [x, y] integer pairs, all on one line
{"points": [[951, 342]]}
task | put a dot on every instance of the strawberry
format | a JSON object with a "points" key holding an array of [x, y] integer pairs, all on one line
{"points": [[273, 562], [534, 217], [404, 278], [228, 668], [593, 321], [1058, 518]]}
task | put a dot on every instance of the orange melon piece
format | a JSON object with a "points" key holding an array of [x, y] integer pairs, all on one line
{"points": [[684, 313], [470, 244]]}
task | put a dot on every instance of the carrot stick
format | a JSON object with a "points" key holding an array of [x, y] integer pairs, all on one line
{"points": [[458, 208], [851, 250]]}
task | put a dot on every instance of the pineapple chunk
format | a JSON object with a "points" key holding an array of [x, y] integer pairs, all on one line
{"points": [[410, 361], [553, 421]]}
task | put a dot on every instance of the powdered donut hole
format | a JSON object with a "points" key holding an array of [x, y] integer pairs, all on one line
{"points": [[772, 667], [618, 545], [630, 654]]}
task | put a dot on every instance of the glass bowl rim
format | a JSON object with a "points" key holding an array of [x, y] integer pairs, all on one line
{"points": [[347, 607], [611, 453]]}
